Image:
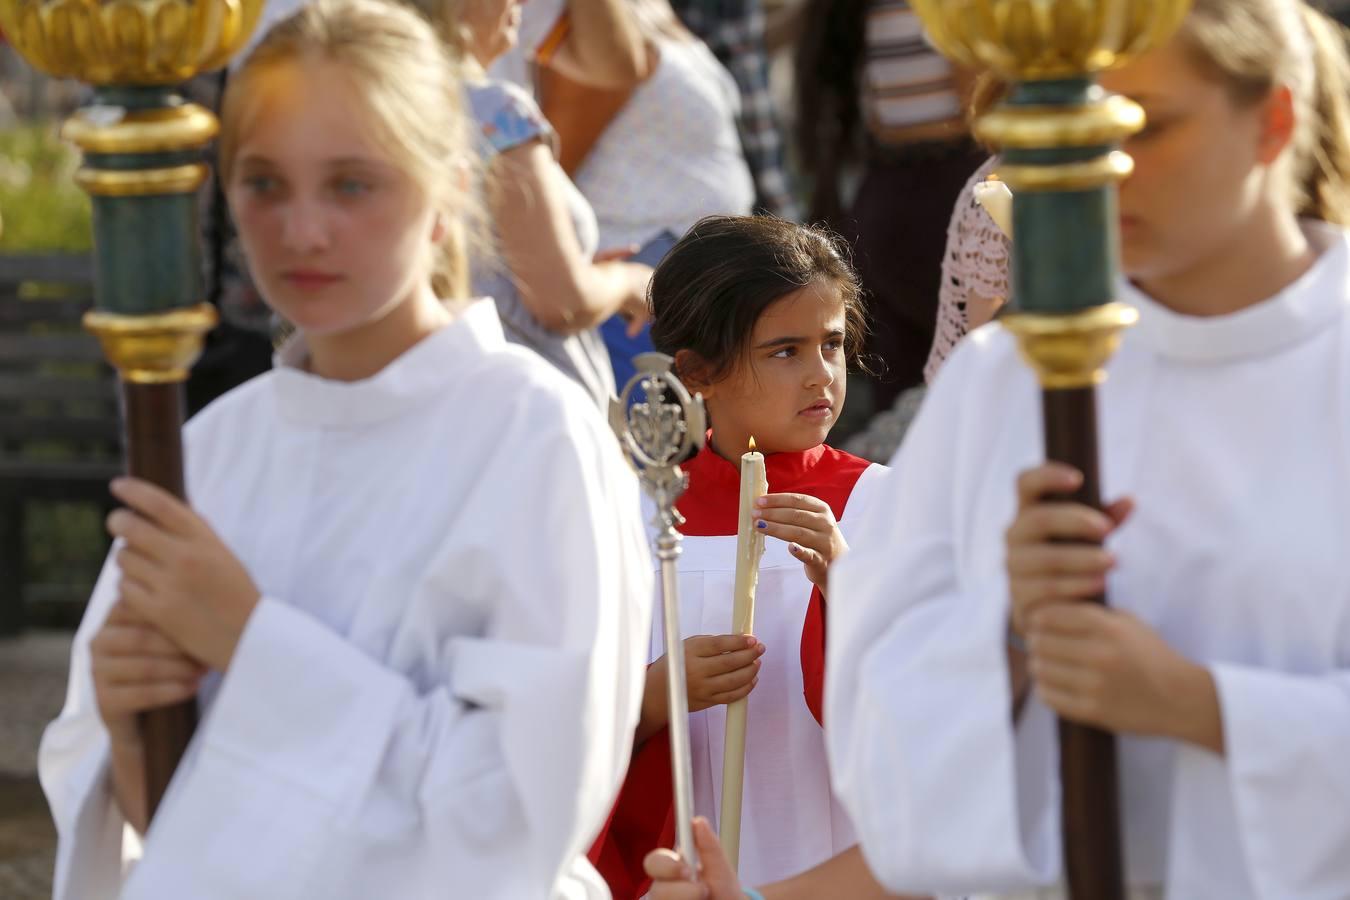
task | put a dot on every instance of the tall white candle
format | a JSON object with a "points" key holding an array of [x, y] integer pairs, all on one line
{"points": [[749, 549]]}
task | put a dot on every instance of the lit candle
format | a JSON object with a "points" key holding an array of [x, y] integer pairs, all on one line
{"points": [[997, 200], [749, 549]]}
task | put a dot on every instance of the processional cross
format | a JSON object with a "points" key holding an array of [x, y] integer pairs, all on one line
{"points": [[660, 425]]}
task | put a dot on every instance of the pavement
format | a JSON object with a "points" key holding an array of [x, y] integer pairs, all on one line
{"points": [[32, 688]]}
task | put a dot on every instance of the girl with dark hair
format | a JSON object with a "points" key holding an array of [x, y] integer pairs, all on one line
{"points": [[762, 316]]}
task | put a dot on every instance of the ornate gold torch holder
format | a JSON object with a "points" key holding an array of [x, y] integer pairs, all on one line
{"points": [[143, 162], [1060, 135]]}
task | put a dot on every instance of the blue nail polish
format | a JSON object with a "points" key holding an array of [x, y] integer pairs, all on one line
{"points": [[761, 525]]}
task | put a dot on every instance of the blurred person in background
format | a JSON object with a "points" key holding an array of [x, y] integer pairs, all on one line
{"points": [[541, 268], [655, 155], [872, 93]]}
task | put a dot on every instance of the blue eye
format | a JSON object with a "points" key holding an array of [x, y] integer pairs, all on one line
{"points": [[352, 187], [261, 184]]}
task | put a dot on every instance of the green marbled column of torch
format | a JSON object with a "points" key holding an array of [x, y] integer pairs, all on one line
{"points": [[147, 253], [1065, 257]]}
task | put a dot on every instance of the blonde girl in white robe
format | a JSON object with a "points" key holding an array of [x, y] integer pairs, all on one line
{"points": [[1223, 664], [410, 592]]}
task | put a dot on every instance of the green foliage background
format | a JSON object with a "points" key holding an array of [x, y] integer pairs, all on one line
{"points": [[42, 209]]}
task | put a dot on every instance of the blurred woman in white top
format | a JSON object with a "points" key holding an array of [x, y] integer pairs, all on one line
{"points": [[672, 154]]}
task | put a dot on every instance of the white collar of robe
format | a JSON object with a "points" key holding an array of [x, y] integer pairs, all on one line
{"points": [[1297, 313], [418, 375]]}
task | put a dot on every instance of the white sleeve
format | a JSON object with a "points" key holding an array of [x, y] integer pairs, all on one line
{"points": [[73, 766], [946, 795], [1287, 742], [488, 779]]}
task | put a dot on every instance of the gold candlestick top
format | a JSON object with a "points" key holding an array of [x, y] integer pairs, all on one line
{"points": [[131, 42], [1028, 40]]}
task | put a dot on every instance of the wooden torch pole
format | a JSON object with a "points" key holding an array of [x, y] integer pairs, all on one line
{"points": [[143, 163]]}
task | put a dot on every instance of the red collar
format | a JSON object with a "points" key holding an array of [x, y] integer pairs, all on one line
{"points": [[711, 506]]}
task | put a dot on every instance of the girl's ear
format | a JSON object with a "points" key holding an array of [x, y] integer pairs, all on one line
{"points": [[691, 369], [1280, 122]]}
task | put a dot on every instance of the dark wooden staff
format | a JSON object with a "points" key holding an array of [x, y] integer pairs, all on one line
{"points": [[154, 445], [1087, 769]]}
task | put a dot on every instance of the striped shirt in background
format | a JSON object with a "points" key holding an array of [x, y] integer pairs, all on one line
{"points": [[909, 89]]}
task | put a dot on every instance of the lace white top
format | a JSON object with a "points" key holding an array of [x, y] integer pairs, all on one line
{"points": [[974, 272]]}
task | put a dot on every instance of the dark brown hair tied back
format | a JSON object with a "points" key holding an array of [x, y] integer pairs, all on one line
{"points": [[716, 282]]}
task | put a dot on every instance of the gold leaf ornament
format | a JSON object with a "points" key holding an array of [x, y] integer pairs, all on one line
{"points": [[128, 42], [1028, 40]]}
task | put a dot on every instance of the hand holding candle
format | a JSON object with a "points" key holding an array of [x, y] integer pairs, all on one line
{"points": [[749, 549], [808, 526], [997, 200]]}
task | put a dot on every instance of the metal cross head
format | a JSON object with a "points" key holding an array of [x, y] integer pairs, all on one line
{"points": [[659, 425]]}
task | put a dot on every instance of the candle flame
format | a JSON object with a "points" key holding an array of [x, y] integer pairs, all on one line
{"points": [[752, 443]]}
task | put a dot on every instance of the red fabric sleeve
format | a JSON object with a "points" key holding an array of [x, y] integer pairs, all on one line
{"points": [[813, 656], [642, 820], [837, 475]]}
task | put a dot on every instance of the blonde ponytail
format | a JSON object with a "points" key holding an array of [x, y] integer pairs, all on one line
{"points": [[450, 269], [1325, 184], [1256, 46]]}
